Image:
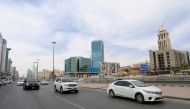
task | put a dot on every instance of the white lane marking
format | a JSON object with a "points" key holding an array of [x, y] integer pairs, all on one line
{"points": [[69, 102]]}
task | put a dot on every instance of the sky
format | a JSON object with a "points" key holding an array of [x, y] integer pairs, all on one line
{"points": [[128, 28]]}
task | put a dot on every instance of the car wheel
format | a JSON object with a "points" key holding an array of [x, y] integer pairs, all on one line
{"points": [[111, 94], [55, 89], [38, 87], [139, 98], [61, 90]]}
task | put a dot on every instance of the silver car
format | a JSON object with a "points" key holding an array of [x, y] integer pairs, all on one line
{"points": [[20, 82]]}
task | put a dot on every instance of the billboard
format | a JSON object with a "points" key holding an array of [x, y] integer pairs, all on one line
{"points": [[93, 70], [144, 69]]}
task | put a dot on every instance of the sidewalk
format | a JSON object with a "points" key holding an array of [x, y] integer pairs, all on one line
{"points": [[175, 92]]}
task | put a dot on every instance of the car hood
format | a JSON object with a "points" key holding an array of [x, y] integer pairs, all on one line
{"points": [[151, 88]]}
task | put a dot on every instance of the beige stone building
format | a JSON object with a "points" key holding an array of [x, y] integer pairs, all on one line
{"points": [[58, 73], [109, 68], [47, 74], [165, 59], [129, 71]]}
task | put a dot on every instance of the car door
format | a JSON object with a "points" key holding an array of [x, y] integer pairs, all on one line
{"points": [[127, 91], [57, 83], [117, 87]]}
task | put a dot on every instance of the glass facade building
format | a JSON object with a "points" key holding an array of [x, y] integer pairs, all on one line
{"points": [[97, 56], [84, 64], [77, 64], [71, 64]]}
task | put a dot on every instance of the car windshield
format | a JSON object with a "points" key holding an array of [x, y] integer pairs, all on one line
{"points": [[43, 81], [139, 84], [67, 80], [32, 80]]}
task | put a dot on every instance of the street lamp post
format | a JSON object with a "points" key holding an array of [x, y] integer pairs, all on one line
{"points": [[53, 73]]}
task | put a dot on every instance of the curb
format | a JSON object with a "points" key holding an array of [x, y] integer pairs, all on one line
{"points": [[93, 88], [179, 98], [172, 97]]}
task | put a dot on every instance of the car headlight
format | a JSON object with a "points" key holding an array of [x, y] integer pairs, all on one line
{"points": [[27, 84], [149, 92]]}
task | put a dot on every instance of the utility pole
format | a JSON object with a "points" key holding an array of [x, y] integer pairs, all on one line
{"points": [[53, 72]]}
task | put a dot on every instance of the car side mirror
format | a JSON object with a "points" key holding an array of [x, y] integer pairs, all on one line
{"points": [[131, 86]]}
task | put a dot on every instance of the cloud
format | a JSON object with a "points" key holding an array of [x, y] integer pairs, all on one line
{"points": [[128, 28]]}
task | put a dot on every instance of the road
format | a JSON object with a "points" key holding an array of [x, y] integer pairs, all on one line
{"points": [[14, 97]]}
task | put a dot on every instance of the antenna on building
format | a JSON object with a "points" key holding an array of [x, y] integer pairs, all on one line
{"points": [[166, 18]]}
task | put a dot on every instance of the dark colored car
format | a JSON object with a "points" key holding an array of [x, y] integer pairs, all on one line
{"points": [[31, 84]]}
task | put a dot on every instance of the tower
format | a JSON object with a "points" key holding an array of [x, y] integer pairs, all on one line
{"points": [[97, 48], [163, 39]]}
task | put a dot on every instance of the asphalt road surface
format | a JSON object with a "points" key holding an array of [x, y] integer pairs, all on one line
{"points": [[14, 97]]}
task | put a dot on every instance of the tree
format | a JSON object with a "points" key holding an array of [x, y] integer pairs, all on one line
{"points": [[184, 66]]}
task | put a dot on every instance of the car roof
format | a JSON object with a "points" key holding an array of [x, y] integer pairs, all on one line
{"points": [[65, 78], [128, 80], [30, 79]]}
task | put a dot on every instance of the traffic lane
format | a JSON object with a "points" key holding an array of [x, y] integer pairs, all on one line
{"points": [[17, 98], [4, 91], [46, 98], [93, 99]]}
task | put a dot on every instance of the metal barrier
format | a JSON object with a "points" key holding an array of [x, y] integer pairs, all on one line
{"points": [[148, 79]]}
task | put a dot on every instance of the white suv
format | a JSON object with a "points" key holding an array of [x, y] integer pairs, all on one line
{"points": [[65, 84], [134, 89]]}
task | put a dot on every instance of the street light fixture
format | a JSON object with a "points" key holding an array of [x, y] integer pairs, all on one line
{"points": [[53, 73]]}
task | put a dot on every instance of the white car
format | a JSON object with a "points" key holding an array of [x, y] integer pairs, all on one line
{"points": [[134, 89], [65, 84], [9, 81], [4, 82], [1, 83]]}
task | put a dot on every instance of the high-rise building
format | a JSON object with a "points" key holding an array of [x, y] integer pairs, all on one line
{"points": [[30, 74], [163, 39], [9, 65], [77, 64], [3, 56], [1, 46], [14, 73], [97, 56], [165, 59], [7, 61]]}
